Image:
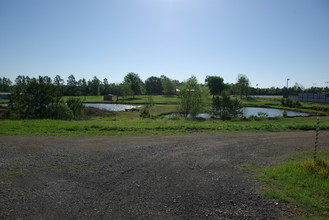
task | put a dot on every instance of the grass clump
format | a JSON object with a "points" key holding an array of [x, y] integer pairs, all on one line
{"points": [[302, 183], [319, 167]]}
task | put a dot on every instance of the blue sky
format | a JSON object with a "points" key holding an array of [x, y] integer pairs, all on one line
{"points": [[268, 41]]}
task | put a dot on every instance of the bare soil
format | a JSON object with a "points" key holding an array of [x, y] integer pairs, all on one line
{"points": [[199, 176]]}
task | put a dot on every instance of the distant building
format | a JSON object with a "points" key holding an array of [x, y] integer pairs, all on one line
{"points": [[108, 97], [4, 95]]}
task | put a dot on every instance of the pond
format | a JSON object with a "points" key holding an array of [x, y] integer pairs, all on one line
{"points": [[249, 111], [272, 112], [108, 107], [111, 107]]}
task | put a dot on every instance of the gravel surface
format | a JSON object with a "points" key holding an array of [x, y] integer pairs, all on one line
{"points": [[149, 177]]}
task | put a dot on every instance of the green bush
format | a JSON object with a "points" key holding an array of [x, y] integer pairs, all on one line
{"points": [[225, 108], [145, 112], [77, 107], [61, 111], [290, 103]]}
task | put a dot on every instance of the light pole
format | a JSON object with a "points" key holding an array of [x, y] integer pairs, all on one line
{"points": [[287, 94], [327, 83]]}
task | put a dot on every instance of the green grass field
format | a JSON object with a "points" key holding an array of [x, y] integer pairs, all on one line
{"points": [[304, 183], [129, 123]]}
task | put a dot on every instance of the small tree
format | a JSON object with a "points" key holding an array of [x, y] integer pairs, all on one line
{"points": [[225, 108], [191, 97]]}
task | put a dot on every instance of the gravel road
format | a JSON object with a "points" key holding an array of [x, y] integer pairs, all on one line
{"points": [[197, 176]]}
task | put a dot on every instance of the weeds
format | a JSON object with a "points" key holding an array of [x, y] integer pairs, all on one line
{"points": [[318, 167]]}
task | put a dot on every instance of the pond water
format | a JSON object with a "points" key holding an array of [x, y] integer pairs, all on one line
{"points": [[111, 107], [249, 111], [108, 107], [272, 112]]}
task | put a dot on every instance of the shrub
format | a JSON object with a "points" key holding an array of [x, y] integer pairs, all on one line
{"points": [[145, 112], [77, 107], [290, 103], [61, 111], [226, 108], [262, 114]]}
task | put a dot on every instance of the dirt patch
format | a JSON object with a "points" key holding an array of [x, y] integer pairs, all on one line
{"points": [[150, 177]]}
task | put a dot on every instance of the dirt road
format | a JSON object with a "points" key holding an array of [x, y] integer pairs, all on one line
{"points": [[176, 177]]}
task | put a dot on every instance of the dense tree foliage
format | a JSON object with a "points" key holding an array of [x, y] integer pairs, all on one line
{"points": [[33, 97], [71, 86], [105, 87], [168, 85], [5, 84], [153, 86], [215, 84], [135, 83]]}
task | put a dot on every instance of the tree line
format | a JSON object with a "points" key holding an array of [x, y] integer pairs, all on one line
{"points": [[41, 97], [133, 85]]}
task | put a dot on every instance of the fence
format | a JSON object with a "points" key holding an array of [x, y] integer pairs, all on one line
{"points": [[309, 97]]}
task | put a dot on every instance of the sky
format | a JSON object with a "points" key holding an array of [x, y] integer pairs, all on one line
{"points": [[269, 41]]}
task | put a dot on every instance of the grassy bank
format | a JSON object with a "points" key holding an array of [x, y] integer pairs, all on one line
{"points": [[303, 183], [121, 125]]}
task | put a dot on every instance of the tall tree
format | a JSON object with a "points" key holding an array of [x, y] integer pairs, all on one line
{"points": [[135, 83], [153, 86], [215, 84], [243, 85], [71, 86], [83, 87], [106, 87], [59, 83], [95, 86], [21, 82]]}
